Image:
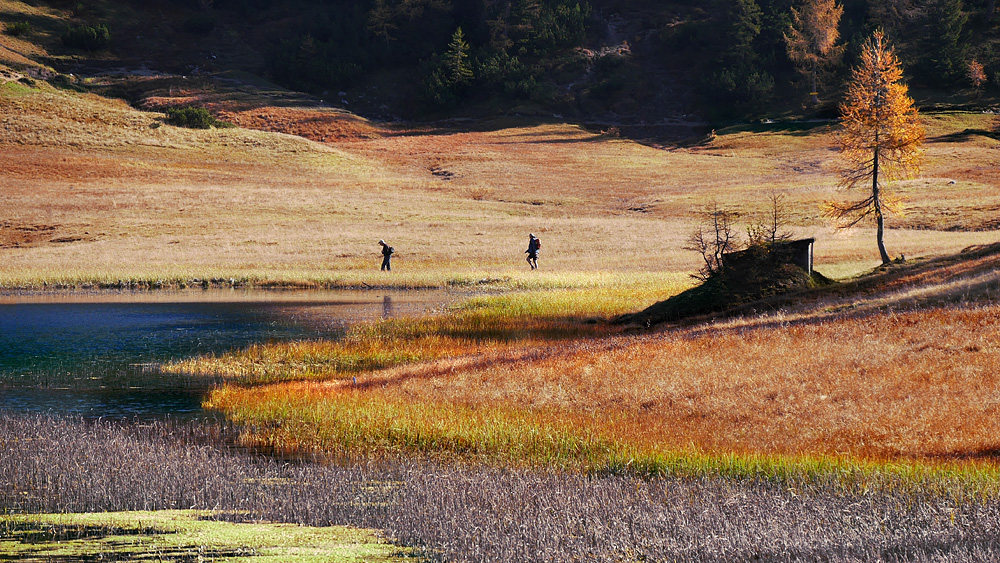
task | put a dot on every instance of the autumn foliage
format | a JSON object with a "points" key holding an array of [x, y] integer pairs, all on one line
{"points": [[812, 39], [881, 138]]}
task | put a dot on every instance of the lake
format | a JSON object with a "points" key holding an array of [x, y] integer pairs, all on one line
{"points": [[95, 354]]}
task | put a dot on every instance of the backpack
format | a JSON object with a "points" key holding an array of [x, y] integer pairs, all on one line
{"points": [[538, 243]]}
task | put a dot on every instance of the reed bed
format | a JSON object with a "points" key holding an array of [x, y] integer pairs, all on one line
{"points": [[457, 512]]}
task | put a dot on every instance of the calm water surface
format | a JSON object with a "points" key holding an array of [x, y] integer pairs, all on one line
{"points": [[96, 354]]}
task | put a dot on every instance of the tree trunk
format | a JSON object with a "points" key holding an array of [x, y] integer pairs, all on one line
{"points": [[879, 219], [880, 228], [815, 81], [991, 6]]}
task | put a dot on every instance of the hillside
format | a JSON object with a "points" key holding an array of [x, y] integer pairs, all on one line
{"points": [[969, 276], [97, 191], [101, 189], [658, 69]]}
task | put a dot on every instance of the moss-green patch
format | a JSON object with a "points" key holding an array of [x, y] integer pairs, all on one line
{"points": [[182, 535], [14, 89]]}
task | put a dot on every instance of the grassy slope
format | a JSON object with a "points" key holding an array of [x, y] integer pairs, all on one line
{"points": [[184, 535], [99, 192]]}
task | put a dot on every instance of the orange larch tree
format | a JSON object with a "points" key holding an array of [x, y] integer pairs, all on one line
{"points": [[881, 136], [812, 39]]}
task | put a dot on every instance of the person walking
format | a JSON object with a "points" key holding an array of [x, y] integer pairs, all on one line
{"points": [[533, 245], [387, 252]]}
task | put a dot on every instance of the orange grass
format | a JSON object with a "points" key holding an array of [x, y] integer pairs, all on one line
{"points": [[915, 385], [473, 326]]}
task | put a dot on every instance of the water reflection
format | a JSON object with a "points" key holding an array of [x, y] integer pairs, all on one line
{"points": [[95, 355], [386, 306]]}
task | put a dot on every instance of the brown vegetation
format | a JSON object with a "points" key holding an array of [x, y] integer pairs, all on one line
{"points": [[894, 366], [911, 385], [481, 514], [164, 203], [898, 367]]}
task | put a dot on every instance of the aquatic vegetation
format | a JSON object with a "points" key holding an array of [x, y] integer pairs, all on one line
{"points": [[470, 512], [471, 325]]}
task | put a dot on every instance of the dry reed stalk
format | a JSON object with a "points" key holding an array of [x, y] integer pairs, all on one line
{"points": [[476, 514]]}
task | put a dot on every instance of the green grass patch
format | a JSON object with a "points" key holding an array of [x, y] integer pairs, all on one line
{"points": [[658, 283], [959, 481], [17, 29], [194, 118], [183, 535], [15, 90], [355, 424]]}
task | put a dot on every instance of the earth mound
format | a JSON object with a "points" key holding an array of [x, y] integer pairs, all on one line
{"points": [[972, 275], [727, 290]]}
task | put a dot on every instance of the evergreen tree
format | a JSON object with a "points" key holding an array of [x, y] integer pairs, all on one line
{"points": [[945, 42], [381, 22], [740, 86], [456, 60], [498, 15], [893, 17], [420, 26], [744, 22], [451, 75]]}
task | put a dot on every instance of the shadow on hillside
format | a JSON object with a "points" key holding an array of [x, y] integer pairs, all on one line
{"points": [[454, 127], [792, 128], [40, 23], [819, 308], [652, 135], [988, 454], [963, 136], [570, 140]]}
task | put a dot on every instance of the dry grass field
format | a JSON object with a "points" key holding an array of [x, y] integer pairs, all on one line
{"points": [[96, 192], [877, 384]]}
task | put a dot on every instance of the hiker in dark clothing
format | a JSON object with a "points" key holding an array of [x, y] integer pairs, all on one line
{"points": [[533, 245], [386, 255]]}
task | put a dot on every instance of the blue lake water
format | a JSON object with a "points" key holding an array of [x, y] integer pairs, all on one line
{"points": [[96, 355]]}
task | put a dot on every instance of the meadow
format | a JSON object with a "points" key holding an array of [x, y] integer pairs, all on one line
{"points": [[98, 193], [521, 422]]}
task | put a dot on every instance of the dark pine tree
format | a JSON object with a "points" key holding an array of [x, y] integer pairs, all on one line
{"points": [[945, 43]]}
